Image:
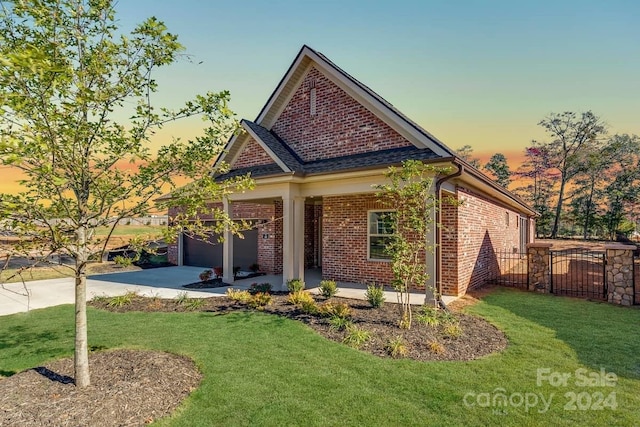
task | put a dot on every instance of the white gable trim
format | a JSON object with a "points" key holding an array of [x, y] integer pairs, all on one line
{"points": [[265, 147]]}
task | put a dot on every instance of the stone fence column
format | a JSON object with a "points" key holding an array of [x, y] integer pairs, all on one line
{"points": [[619, 269], [538, 259]]}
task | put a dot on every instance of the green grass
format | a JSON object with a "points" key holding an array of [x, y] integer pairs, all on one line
{"points": [[261, 369]]}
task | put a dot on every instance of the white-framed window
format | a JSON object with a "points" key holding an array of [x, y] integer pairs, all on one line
{"points": [[380, 229]]}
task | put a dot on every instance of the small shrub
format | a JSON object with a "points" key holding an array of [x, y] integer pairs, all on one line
{"points": [[238, 296], [262, 287], [340, 309], [254, 268], [182, 297], [452, 331], [260, 300], [100, 299], [375, 295], [435, 347], [328, 288], [428, 316], [339, 323], [299, 297], [193, 304], [355, 337], [396, 347], [123, 261], [309, 307], [205, 275], [121, 300], [236, 270], [295, 285], [218, 272]]}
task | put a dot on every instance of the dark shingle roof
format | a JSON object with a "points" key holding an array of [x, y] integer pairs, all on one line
{"points": [[277, 145], [256, 171]]}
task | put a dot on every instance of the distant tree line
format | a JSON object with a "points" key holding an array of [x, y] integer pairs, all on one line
{"points": [[581, 180]]}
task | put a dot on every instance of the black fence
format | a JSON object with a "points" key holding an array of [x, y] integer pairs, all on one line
{"points": [[578, 273], [511, 270]]}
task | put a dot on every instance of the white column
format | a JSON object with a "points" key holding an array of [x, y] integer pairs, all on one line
{"points": [[298, 226], [288, 235], [227, 247]]}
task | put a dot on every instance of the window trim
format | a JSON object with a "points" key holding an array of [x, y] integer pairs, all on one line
{"points": [[369, 234]]}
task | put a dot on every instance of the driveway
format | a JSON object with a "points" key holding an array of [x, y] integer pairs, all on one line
{"points": [[164, 282]]}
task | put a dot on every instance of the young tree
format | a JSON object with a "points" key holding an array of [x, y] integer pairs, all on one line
{"points": [[68, 80], [409, 193], [570, 135], [498, 167]]}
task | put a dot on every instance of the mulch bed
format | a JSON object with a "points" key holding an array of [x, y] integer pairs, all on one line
{"points": [[128, 388], [479, 338]]}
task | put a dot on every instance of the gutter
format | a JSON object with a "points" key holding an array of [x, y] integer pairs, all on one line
{"points": [[437, 245]]}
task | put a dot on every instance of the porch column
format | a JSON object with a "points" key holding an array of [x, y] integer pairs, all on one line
{"points": [[298, 238], [227, 247], [288, 246]]}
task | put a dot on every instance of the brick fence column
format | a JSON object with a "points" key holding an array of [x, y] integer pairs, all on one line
{"points": [[619, 271], [539, 268]]}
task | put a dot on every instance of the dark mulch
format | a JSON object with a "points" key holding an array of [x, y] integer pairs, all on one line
{"points": [[479, 338], [215, 283], [128, 388]]}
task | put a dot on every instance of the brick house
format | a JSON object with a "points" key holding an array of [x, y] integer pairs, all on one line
{"points": [[316, 149]]}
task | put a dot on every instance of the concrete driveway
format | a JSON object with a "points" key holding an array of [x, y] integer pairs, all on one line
{"points": [[164, 282]]}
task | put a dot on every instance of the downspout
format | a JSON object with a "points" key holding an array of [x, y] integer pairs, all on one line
{"points": [[438, 239]]}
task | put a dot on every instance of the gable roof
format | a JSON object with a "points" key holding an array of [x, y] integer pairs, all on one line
{"points": [[424, 146]]}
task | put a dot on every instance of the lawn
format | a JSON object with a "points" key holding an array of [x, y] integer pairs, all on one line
{"points": [[266, 370]]}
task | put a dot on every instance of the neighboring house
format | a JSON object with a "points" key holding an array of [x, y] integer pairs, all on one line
{"points": [[315, 151]]}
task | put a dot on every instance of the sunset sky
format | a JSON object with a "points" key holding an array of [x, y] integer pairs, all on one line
{"points": [[482, 73]]}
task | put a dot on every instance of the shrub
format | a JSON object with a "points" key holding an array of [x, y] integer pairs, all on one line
{"points": [[237, 295], [339, 323], [182, 298], [428, 316], [299, 297], [262, 287], [375, 295], [123, 261], [452, 331], [328, 288], [217, 271], [121, 300], [254, 268], [193, 304], [309, 307], [260, 300], [205, 275], [435, 347], [340, 309], [295, 285], [355, 337], [396, 347]]}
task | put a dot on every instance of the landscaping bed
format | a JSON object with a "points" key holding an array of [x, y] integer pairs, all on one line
{"points": [[472, 338]]}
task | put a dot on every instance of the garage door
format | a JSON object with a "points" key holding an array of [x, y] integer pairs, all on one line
{"points": [[208, 254]]}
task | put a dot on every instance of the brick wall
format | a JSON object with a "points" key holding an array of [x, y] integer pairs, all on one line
{"points": [[252, 155], [344, 241], [473, 231], [341, 126]]}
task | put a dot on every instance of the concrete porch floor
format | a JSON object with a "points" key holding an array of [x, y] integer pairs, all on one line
{"points": [[312, 278]]}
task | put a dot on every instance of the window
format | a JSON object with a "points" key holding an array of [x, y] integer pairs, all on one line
{"points": [[381, 228]]}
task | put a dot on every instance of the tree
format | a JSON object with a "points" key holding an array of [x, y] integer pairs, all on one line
{"points": [[616, 156], [498, 167], [409, 193], [68, 80], [466, 153], [539, 178], [571, 135]]}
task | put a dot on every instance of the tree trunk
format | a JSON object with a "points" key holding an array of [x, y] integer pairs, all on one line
{"points": [[556, 220], [81, 355]]}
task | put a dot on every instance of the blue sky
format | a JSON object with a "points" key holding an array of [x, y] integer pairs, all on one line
{"points": [[482, 73]]}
